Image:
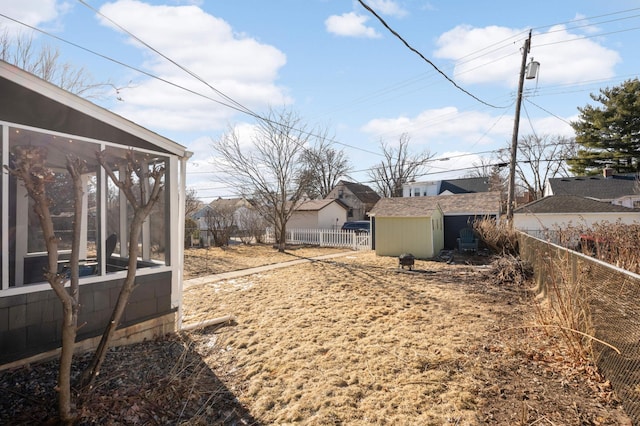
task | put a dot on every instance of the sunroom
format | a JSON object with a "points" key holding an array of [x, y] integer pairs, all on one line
{"points": [[39, 115]]}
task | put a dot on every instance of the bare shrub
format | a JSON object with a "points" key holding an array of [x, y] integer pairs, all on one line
{"points": [[615, 243], [498, 235], [566, 307], [220, 222], [508, 269]]}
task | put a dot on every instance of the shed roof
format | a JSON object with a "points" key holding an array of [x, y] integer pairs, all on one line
{"points": [[479, 203], [571, 204]]}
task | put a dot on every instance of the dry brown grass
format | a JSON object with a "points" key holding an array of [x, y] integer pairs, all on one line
{"points": [[357, 341], [351, 341], [215, 260]]}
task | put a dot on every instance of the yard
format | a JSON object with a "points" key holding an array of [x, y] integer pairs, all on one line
{"points": [[352, 340]]}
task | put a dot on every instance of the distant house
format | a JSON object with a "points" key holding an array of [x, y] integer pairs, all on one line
{"points": [[36, 113], [234, 207], [548, 213], [319, 214], [359, 199], [609, 187], [448, 186], [458, 211]]}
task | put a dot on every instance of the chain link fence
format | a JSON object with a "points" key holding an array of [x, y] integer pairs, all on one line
{"points": [[610, 297]]}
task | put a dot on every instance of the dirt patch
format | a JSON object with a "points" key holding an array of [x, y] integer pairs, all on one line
{"points": [[352, 340]]}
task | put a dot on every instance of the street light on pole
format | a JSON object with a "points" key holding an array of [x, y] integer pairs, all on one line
{"points": [[531, 73]]}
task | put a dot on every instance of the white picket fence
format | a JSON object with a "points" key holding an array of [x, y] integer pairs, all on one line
{"points": [[325, 238]]}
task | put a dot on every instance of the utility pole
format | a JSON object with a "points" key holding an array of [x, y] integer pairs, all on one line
{"points": [[514, 139]]}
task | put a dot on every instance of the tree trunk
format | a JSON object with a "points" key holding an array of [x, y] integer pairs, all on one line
{"points": [[71, 300], [30, 167], [93, 369], [282, 240], [142, 207]]}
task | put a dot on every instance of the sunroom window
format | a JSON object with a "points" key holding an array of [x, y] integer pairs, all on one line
{"points": [[106, 213]]}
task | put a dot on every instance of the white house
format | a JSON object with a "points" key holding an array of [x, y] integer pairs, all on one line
{"points": [[447, 186], [319, 214], [560, 211]]}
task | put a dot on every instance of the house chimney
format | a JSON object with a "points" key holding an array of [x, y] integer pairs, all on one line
{"points": [[607, 172]]}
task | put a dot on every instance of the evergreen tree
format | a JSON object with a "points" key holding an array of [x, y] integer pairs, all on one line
{"points": [[609, 135]]}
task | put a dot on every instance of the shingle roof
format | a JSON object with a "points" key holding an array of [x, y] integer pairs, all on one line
{"points": [[597, 187], [571, 204], [315, 205], [229, 203], [465, 185], [202, 212], [472, 204], [363, 192]]}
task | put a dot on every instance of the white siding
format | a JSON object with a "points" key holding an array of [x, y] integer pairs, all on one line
{"points": [[549, 221], [331, 216]]}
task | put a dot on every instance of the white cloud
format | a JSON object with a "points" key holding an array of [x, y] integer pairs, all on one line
{"points": [[350, 25], [492, 55], [31, 12], [583, 21], [436, 128], [454, 164], [440, 129], [239, 66], [388, 7]]}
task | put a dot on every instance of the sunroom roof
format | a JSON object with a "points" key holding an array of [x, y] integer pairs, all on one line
{"points": [[31, 101]]}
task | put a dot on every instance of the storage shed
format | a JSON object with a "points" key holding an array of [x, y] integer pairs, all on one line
{"points": [[408, 225]]}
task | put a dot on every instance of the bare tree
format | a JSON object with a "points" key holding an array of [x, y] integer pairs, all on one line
{"points": [[540, 158], [495, 173], [30, 168], [325, 165], [481, 169], [46, 63], [191, 202], [220, 222], [251, 224], [268, 171], [142, 186], [398, 167]]}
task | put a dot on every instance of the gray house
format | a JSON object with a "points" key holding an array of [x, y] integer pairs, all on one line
{"points": [[609, 187], [359, 199], [38, 114]]}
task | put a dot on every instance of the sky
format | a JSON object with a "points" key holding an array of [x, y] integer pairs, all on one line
{"points": [[181, 68]]}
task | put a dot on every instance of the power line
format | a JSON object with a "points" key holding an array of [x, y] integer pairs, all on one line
{"points": [[240, 108], [417, 52], [123, 64], [592, 17], [547, 111], [183, 68]]}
